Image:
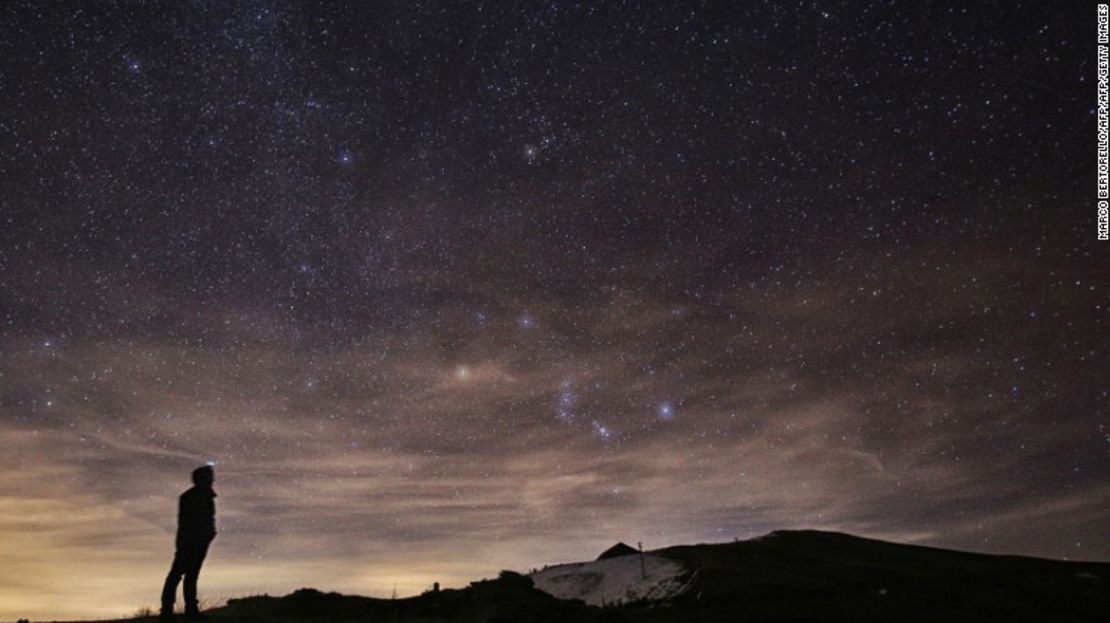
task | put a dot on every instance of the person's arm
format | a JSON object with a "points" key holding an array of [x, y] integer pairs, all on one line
{"points": [[211, 519]]}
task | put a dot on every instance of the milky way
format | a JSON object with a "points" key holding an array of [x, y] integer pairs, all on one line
{"points": [[448, 288]]}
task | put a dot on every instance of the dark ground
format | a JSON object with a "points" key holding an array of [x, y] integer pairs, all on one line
{"points": [[786, 576]]}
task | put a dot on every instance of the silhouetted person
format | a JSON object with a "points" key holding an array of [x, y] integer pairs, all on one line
{"points": [[196, 527]]}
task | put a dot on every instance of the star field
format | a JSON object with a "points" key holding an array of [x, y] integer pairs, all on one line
{"points": [[447, 288]]}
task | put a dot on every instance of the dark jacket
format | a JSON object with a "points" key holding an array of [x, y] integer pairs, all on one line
{"points": [[196, 517]]}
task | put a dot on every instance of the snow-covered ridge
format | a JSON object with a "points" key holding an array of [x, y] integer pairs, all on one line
{"points": [[612, 581]]}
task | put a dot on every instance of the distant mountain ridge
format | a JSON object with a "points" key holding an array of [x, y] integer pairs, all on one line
{"points": [[793, 575], [620, 549], [831, 576]]}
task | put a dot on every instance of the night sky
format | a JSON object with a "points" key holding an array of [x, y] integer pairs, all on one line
{"points": [[448, 288]]}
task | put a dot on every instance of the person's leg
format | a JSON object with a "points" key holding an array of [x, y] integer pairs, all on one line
{"points": [[192, 571], [169, 589]]}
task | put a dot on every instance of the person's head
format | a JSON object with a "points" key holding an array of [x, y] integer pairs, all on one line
{"points": [[204, 476]]}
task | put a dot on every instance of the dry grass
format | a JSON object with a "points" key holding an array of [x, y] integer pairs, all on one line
{"points": [[148, 612]]}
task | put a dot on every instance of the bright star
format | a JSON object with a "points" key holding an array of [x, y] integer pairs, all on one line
{"points": [[666, 411], [602, 431]]}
